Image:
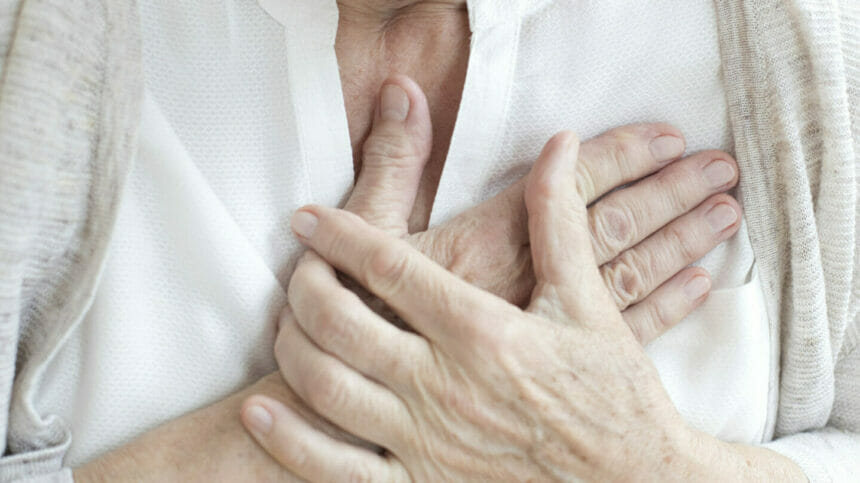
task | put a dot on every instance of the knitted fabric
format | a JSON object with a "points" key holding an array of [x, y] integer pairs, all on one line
{"points": [[69, 103]]}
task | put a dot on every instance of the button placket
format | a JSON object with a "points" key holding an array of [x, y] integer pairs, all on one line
{"points": [[314, 88]]}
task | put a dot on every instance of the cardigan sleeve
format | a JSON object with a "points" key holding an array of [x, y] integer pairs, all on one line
{"points": [[792, 73], [17, 202], [831, 453], [70, 89]]}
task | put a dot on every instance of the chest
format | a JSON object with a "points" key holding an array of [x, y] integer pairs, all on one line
{"points": [[231, 145]]}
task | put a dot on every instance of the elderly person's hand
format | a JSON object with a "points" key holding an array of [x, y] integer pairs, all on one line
{"points": [[484, 390], [487, 245], [643, 236]]}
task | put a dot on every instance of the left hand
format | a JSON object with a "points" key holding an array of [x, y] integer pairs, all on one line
{"points": [[644, 235], [484, 390]]}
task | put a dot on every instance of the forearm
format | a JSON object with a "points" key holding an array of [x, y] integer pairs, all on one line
{"points": [[207, 445]]}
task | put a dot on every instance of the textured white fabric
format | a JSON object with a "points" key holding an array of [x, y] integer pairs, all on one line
{"points": [[185, 314], [70, 94], [185, 311]]}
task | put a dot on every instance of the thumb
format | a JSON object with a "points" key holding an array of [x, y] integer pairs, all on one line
{"points": [[564, 264], [394, 156]]}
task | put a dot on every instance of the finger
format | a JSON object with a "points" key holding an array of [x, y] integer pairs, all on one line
{"points": [[608, 161], [339, 323], [558, 231], [639, 270], [394, 156], [668, 305], [337, 392], [309, 453], [625, 217], [437, 304], [625, 154]]}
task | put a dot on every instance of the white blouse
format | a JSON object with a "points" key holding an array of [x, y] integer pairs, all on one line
{"points": [[244, 122]]}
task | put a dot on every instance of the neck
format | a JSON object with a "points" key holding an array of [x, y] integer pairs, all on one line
{"points": [[381, 13], [400, 34]]}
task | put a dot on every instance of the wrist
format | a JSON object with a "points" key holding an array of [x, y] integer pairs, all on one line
{"points": [[681, 454], [705, 458], [701, 457]]}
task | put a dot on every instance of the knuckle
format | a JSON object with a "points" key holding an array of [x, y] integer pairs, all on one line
{"points": [[332, 327], [628, 145], [405, 366], [327, 392], [341, 244], [625, 280], [490, 335], [485, 257], [659, 320], [682, 244], [388, 149], [296, 455], [387, 266], [540, 191], [585, 179], [455, 249], [335, 238], [336, 234], [623, 149], [359, 473], [612, 229], [639, 132], [393, 362], [296, 290], [672, 185]]}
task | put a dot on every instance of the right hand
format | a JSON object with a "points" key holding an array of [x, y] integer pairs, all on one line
{"points": [[486, 246], [643, 235]]}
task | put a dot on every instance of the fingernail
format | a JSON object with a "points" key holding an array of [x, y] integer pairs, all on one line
{"points": [[304, 224], [697, 287], [666, 148], [718, 173], [393, 103], [721, 217], [259, 419]]}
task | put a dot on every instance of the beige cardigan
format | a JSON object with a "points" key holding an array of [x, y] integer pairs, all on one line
{"points": [[70, 94]]}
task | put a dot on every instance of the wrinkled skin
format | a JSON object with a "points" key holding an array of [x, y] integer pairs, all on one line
{"points": [[488, 246], [470, 396], [643, 236], [482, 390]]}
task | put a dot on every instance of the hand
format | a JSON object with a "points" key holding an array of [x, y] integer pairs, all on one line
{"points": [[489, 246], [484, 390], [643, 235], [211, 441]]}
